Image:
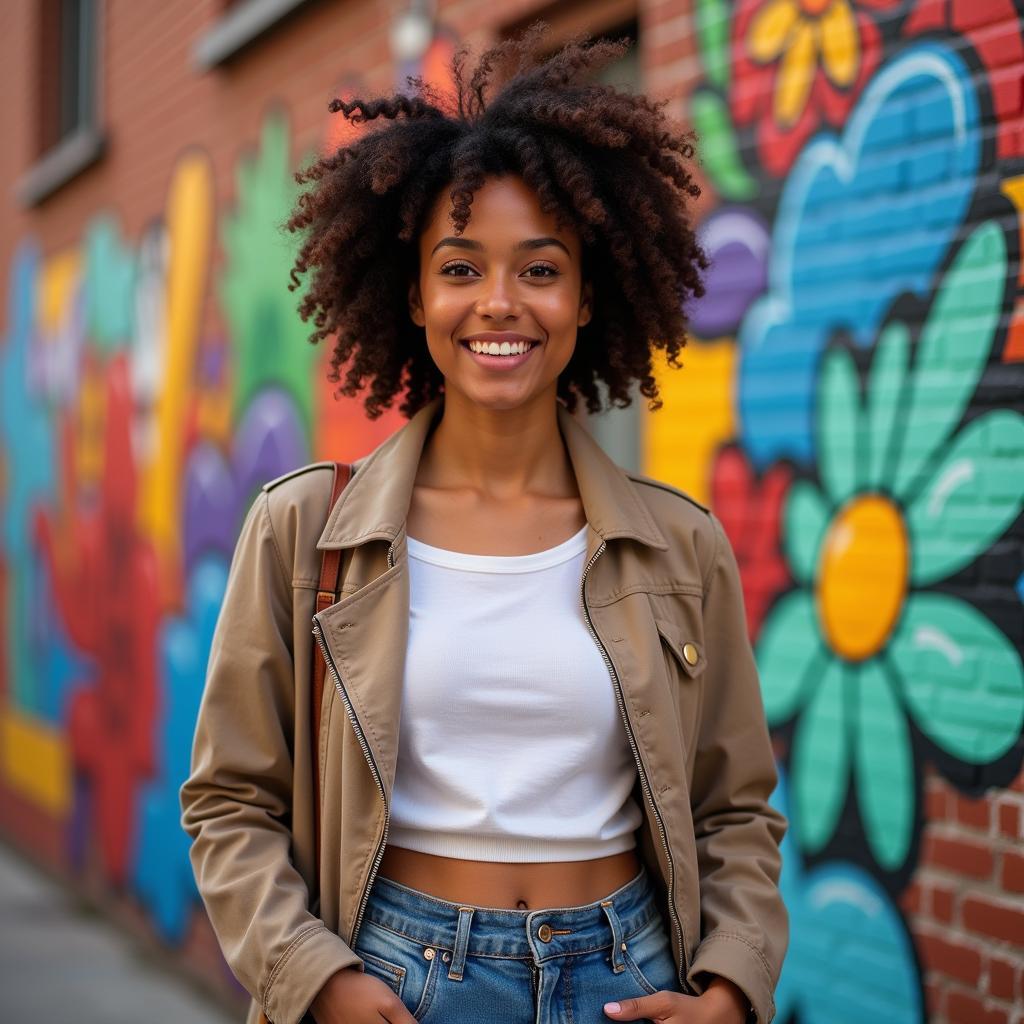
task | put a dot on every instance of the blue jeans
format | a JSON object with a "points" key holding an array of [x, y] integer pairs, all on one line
{"points": [[454, 963]]}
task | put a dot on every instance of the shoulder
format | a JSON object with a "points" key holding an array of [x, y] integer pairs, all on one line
{"points": [[297, 505], [689, 526], [673, 494], [292, 474]]}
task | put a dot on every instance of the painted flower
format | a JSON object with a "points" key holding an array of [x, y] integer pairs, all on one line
{"points": [[800, 35], [906, 499], [797, 63]]}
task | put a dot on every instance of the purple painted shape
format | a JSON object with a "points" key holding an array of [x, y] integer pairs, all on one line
{"points": [[211, 504], [270, 440], [737, 244]]}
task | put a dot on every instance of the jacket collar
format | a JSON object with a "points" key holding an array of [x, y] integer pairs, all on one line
{"points": [[376, 501]]}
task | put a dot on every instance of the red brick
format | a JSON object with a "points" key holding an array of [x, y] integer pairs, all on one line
{"points": [[964, 1008], [935, 999], [951, 959], [963, 856], [1008, 816], [937, 803], [1000, 978], [911, 900], [942, 904], [975, 813], [998, 920], [1011, 877]]}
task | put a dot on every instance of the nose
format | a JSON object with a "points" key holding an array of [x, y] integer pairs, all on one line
{"points": [[497, 298]]}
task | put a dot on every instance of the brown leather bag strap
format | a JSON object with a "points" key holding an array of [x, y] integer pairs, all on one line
{"points": [[326, 595]]}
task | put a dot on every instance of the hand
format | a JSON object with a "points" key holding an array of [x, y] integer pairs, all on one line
{"points": [[350, 996], [722, 1002]]}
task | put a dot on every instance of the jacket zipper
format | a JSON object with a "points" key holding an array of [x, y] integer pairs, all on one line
{"points": [[339, 686], [680, 936]]}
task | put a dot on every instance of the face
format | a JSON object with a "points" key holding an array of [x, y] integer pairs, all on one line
{"points": [[513, 272]]}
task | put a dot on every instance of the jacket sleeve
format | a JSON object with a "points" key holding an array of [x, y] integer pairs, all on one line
{"points": [[236, 802], [744, 922]]}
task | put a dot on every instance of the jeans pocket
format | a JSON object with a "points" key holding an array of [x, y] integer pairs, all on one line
{"points": [[409, 967], [648, 955]]}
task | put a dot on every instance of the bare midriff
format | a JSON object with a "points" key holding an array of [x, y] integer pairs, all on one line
{"points": [[510, 886]]}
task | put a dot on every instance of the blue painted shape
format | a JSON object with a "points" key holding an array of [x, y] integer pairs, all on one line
{"points": [[29, 453], [163, 874], [852, 218], [850, 957]]}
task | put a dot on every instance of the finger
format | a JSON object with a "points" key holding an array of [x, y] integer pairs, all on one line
{"points": [[655, 1007], [396, 1013]]}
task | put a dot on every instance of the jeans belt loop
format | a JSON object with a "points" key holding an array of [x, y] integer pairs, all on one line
{"points": [[458, 966]]}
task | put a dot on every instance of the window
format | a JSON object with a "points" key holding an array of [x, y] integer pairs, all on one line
{"points": [[241, 22], [68, 138]]}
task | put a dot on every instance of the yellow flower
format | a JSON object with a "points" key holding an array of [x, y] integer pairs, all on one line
{"points": [[797, 31]]}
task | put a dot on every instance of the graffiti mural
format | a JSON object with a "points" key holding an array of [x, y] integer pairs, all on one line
{"points": [[851, 407], [857, 384], [132, 445]]}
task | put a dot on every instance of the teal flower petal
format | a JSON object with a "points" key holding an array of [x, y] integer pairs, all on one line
{"points": [[807, 516], [821, 760], [961, 677], [837, 424], [787, 650], [975, 493], [953, 349], [883, 768], [886, 380]]}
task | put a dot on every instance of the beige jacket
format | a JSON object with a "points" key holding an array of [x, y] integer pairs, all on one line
{"points": [[661, 592]]}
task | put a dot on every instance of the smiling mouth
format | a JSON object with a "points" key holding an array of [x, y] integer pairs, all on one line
{"points": [[493, 348]]}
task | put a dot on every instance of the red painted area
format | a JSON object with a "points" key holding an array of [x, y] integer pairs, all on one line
{"points": [[751, 514], [107, 595]]}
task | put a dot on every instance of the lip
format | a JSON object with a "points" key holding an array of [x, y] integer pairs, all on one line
{"points": [[500, 363]]}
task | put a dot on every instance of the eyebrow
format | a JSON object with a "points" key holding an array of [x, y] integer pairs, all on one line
{"points": [[528, 243]]}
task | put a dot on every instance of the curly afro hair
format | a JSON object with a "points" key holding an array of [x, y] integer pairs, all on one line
{"points": [[602, 161]]}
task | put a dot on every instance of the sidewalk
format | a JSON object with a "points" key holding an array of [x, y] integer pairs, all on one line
{"points": [[59, 964]]}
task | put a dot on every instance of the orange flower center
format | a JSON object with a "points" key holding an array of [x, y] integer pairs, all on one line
{"points": [[862, 575]]}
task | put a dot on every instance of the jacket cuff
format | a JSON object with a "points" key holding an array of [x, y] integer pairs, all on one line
{"points": [[302, 970], [733, 957]]}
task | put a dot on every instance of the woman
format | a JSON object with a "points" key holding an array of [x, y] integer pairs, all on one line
{"points": [[544, 757]]}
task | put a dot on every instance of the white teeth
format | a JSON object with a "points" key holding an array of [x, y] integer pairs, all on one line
{"points": [[505, 348]]}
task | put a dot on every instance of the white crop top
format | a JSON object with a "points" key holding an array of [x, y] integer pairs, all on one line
{"points": [[511, 742]]}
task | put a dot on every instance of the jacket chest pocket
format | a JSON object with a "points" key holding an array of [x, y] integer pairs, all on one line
{"points": [[684, 659]]}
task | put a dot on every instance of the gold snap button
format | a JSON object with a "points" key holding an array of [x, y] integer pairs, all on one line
{"points": [[544, 933], [428, 953], [690, 653], [445, 957]]}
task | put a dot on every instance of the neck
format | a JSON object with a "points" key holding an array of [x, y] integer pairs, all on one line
{"points": [[501, 454]]}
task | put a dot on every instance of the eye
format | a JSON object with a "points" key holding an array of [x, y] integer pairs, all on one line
{"points": [[454, 266], [544, 266]]}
